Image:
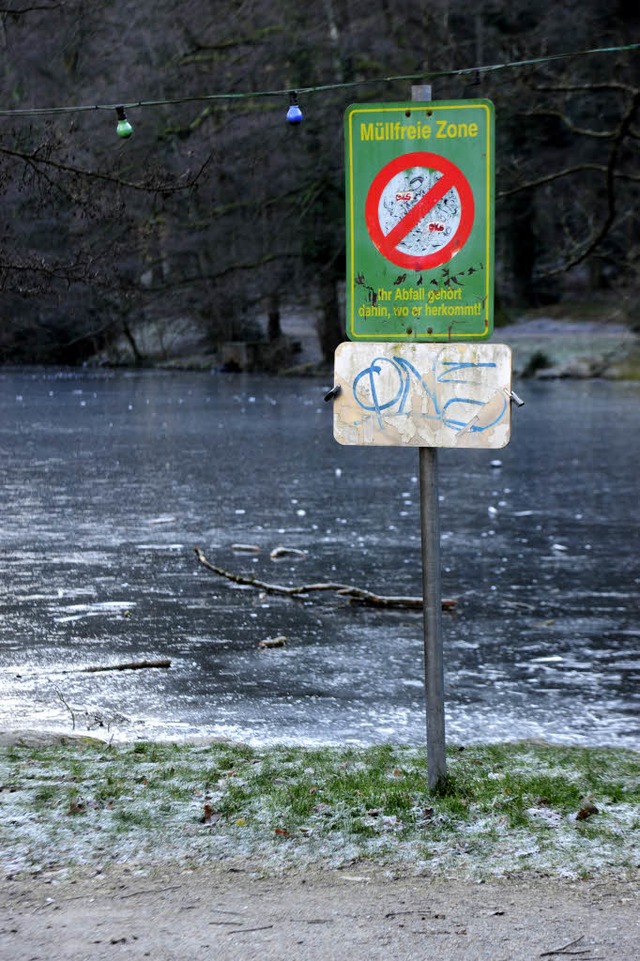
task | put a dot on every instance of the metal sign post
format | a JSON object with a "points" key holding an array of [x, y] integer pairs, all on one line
{"points": [[432, 605], [432, 594]]}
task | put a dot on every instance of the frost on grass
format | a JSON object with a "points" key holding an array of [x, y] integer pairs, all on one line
{"points": [[505, 809]]}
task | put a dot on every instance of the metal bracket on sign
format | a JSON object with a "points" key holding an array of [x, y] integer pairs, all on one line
{"points": [[333, 393], [513, 397]]}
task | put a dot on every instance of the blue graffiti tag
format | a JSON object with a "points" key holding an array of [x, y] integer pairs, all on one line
{"points": [[368, 384]]}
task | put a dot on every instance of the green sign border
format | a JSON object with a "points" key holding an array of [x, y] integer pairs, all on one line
{"points": [[387, 302]]}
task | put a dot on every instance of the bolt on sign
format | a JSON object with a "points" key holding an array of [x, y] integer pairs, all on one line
{"points": [[420, 220], [423, 395]]}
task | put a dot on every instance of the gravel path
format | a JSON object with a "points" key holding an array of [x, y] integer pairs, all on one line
{"points": [[359, 915]]}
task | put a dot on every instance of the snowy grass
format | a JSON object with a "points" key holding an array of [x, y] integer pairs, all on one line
{"points": [[505, 809]]}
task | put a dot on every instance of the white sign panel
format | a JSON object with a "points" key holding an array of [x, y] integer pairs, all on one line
{"points": [[423, 395]]}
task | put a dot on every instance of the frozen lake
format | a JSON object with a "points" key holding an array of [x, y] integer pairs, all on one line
{"points": [[110, 478]]}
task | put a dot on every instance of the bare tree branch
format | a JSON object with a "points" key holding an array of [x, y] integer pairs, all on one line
{"points": [[20, 11], [582, 131], [549, 178], [600, 233], [37, 162], [357, 595], [608, 87]]}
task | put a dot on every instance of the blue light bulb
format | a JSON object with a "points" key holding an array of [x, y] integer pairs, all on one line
{"points": [[294, 113]]}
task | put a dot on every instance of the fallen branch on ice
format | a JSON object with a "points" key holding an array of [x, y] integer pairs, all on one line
{"points": [[356, 595], [565, 949], [129, 666]]}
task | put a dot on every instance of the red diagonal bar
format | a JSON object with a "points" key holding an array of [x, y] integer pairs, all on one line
{"points": [[420, 210]]}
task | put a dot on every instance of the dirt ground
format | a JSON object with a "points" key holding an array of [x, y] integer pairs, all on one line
{"points": [[359, 915]]}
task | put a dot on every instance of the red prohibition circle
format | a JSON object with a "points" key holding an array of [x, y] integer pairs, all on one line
{"points": [[452, 177]]}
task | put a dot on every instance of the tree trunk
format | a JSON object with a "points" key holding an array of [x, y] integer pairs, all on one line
{"points": [[521, 253], [274, 329], [137, 356], [330, 329]]}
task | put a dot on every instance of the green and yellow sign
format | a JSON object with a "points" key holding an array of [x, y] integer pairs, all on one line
{"points": [[420, 220]]}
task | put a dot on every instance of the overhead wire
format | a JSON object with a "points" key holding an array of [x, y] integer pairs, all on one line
{"points": [[475, 71]]}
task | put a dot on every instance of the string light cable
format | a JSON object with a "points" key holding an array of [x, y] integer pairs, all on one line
{"points": [[294, 114]]}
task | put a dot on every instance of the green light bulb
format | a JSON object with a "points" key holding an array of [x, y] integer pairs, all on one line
{"points": [[123, 128]]}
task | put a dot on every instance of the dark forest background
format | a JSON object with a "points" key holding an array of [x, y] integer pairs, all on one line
{"points": [[216, 212]]}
